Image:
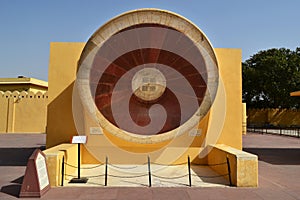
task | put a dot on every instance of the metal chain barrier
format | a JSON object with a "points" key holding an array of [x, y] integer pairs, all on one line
{"points": [[84, 167], [149, 174], [118, 176], [166, 177], [118, 167], [215, 176], [208, 165], [63, 174], [155, 163]]}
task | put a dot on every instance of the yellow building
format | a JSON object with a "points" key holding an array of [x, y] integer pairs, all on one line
{"points": [[147, 83], [23, 105], [23, 84]]}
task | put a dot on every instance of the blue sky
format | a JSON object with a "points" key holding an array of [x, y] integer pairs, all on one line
{"points": [[27, 27]]}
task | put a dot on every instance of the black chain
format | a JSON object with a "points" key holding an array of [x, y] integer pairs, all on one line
{"points": [[164, 177], [116, 166], [83, 167], [168, 164], [207, 165], [216, 176], [115, 176]]}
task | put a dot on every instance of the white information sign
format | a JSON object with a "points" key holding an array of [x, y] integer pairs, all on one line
{"points": [[79, 139], [42, 174]]}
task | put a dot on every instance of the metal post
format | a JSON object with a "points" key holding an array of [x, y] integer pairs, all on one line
{"points": [[189, 168], [280, 130], [62, 171], [78, 161], [79, 179], [229, 171], [149, 172], [106, 161]]}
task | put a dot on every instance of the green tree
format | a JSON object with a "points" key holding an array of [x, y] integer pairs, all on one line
{"points": [[268, 78]]}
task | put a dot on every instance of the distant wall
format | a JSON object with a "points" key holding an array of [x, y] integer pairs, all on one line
{"points": [[23, 112], [276, 117]]}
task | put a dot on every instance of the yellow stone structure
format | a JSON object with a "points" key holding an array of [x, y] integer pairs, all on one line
{"points": [[23, 105], [211, 134]]}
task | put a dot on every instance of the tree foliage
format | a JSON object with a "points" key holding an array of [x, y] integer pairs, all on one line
{"points": [[269, 77]]}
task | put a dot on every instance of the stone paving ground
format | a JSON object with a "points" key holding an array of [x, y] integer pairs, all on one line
{"points": [[279, 173]]}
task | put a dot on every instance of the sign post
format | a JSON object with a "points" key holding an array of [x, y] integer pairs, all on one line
{"points": [[79, 140], [36, 180]]}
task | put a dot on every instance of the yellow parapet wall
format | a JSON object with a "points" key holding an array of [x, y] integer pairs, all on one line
{"points": [[243, 166], [23, 112], [54, 159]]}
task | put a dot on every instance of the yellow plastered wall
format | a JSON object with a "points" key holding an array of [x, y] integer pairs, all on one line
{"points": [[231, 75], [276, 117], [23, 112], [62, 74], [61, 77], [3, 111]]}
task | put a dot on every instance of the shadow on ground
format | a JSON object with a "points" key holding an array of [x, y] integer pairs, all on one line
{"points": [[13, 190], [16, 156], [277, 156]]}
